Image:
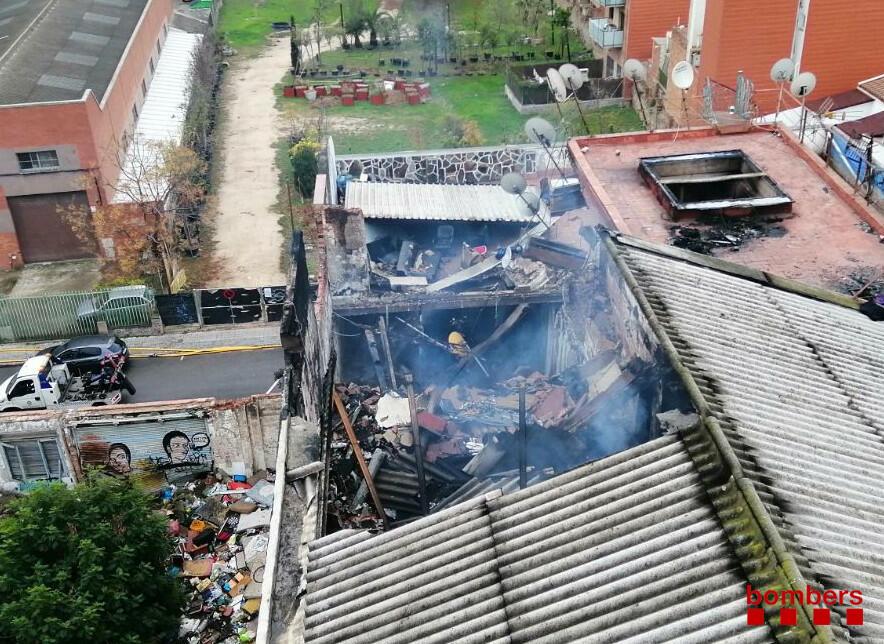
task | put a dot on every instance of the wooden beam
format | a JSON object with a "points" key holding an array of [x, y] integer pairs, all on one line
{"points": [[376, 359], [349, 305], [385, 343], [360, 458]]}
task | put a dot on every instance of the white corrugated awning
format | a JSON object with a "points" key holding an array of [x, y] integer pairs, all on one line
{"points": [[436, 202], [161, 118]]}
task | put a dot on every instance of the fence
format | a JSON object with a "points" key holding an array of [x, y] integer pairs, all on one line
{"points": [[69, 314], [522, 84], [222, 306], [853, 160]]}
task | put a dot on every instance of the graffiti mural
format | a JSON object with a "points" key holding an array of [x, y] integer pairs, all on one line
{"points": [[154, 454]]}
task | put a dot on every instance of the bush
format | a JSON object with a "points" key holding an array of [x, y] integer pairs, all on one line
{"points": [[305, 165], [86, 564], [462, 132]]}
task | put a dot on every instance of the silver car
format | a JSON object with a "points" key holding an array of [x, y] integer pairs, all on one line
{"points": [[123, 306]]}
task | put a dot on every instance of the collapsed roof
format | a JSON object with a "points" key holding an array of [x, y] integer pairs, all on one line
{"points": [[775, 484]]}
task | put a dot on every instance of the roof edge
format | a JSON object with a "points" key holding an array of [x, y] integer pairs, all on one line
{"points": [[754, 538], [723, 266]]}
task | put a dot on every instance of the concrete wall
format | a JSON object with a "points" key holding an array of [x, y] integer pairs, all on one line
{"points": [[244, 432]]}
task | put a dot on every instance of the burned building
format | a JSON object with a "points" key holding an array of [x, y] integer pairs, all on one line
{"points": [[755, 479]]}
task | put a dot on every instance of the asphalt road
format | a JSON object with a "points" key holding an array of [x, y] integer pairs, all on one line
{"points": [[220, 375]]}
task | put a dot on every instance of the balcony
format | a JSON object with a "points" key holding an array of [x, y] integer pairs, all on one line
{"points": [[605, 34], [609, 3]]}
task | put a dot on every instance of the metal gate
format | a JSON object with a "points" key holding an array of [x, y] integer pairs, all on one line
{"points": [[154, 451], [42, 225]]}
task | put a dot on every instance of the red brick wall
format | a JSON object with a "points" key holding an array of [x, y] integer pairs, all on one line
{"points": [[646, 19], [844, 44], [747, 35], [115, 115], [10, 253]]}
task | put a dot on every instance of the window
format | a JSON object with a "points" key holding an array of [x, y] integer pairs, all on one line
{"points": [[23, 388], [152, 66], [135, 112], [42, 160], [143, 88], [159, 47], [165, 29], [30, 460]]}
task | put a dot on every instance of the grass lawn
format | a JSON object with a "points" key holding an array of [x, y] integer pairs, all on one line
{"points": [[368, 128], [245, 24]]}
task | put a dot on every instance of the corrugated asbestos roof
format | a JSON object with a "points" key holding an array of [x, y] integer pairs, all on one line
{"points": [[798, 387], [626, 549], [436, 202]]}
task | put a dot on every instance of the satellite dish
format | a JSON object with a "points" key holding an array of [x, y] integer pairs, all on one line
{"points": [[540, 131], [682, 75], [634, 70], [803, 84], [571, 75], [513, 183], [557, 84], [782, 70]]}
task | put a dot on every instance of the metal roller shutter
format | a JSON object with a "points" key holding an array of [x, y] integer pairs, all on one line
{"points": [[155, 452], [43, 229]]}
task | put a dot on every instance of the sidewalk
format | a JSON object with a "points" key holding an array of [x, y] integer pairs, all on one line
{"points": [[227, 337]]}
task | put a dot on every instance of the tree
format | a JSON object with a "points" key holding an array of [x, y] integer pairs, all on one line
{"points": [[156, 181], [86, 564], [354, 23], [305, 165], [462, 132], [374, 21]]}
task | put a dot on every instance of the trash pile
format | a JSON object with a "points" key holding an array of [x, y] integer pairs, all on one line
{"points": [[865, 282], [730, 234], [222, 529], [466, 432]]}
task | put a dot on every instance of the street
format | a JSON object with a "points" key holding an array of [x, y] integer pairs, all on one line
{"points": [[219, 375]]}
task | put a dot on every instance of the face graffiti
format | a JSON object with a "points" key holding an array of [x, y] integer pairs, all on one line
{"points": [[119, 459], [177, 446]]}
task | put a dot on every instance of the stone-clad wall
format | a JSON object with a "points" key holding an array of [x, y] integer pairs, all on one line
{"points": [[466, 166]]}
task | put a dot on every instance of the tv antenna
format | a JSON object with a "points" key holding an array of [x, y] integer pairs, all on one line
{"points": [[573, 78], [635, 71], [543, 133], [683, 78], [515, 184], [780, 73], [802, 85]]}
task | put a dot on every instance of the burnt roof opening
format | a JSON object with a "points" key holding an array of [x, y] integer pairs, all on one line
{"points": [[726, 183]]}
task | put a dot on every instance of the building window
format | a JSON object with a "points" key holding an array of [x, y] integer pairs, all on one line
{"points": [[42, 160], [152, 67], [135, 112], [143, 88], [159, 47], [33, 460], [165, 30]]}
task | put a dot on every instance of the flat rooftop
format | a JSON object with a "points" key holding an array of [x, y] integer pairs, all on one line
{"points": [[823, 242], [54, 50]]}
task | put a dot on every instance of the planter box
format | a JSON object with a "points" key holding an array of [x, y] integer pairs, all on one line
{"points": [[288, 91], [424, 90], [362, 94], [413, 98], [321, 90], [399, 85], [336, 90], [300, 90], [347, 99], [377, 99]]}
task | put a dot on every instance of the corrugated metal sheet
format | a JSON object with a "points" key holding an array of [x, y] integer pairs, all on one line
{"points": [[626, 549], [798, 385], [436, 202], [154, 452], [506, 482], [161, 118]]}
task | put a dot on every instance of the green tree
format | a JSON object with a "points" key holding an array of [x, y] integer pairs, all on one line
{"points": [[86, 564], [305, 165]]}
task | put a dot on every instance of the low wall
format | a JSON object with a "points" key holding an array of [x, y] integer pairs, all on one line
{"points": [[537, 108], [454, 166]]}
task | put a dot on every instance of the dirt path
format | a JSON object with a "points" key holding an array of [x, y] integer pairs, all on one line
{"points": [[248, 239]]}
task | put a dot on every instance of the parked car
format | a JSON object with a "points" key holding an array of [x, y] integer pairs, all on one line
{"points": [[85, 353], [123, 306]]}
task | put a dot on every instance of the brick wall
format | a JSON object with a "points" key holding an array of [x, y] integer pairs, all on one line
{"points": [[646, 19], [10, 253]]}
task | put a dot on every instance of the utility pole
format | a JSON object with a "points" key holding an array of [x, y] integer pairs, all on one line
{"points": [[552, 22]]}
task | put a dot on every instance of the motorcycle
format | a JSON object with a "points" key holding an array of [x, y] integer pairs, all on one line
{"points": [[108, 377]]}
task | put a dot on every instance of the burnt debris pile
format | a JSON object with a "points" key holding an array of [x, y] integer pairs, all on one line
{"points": [[221, 526], [724, 233]]}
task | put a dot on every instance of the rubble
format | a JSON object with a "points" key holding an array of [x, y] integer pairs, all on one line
{"points": [[221, 528]]}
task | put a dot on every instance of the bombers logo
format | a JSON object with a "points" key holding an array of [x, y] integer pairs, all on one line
{"points": [[820, 600]]}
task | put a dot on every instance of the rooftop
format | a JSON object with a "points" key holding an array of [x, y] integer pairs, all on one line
{"points": [[874, 87], [436, 202], [822, 243], [58, 49]]}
